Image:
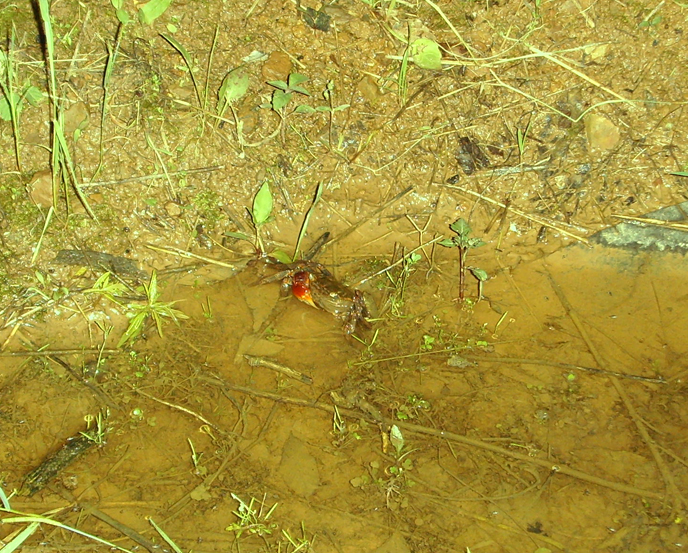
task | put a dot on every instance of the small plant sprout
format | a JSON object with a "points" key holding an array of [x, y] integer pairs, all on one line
{"points": [[261, 212], [463, 241], [282, 95], [298, 544], [152, 308], [251, 518], [199, 470], [521, 137], [96, 433]]}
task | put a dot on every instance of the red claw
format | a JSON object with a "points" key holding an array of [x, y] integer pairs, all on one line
{"points": [[301, 287]]}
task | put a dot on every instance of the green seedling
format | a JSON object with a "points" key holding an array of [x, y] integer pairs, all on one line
{"points": [[251, 518], [286, 90], [328, 95], [521, 137], [408, 265], [428, 343], [282, 95], [96, 433], [199, 470], [298, 544], [464, 242], [330, 108], [110, 290], [152, 308]]}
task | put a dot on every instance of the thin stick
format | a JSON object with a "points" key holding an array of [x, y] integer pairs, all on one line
{"points": [[657, 222], [533, 218], [580, 74], [178, 408], [183, 253], [668, 478], [156, 176], [48, 352]]}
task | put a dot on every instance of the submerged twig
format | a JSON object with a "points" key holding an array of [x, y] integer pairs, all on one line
{"points": [[254, 361]]}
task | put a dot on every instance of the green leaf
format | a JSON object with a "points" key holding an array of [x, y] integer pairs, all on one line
{"points": [[134, 328], [234, 85], [150, 11], [480, 274], [262, 205], [239, 236], [426, 53], [279, 84], [5, 111], [303, 108], [296, 79], [152, 288], [178, 46], [117, 4], [300, 90], [447, 243], [396, 438], [280, 99], [461, 227], [122, 16], [282, 256]]}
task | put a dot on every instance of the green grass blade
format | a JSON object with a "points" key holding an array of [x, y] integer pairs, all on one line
{"points": [[48, 218], [187, 60], [37, 519], [306, 219], [20, 538], [165, 536], [4, 499]]}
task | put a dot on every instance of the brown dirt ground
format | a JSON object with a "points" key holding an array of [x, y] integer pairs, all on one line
{"points": [[549, 416]]}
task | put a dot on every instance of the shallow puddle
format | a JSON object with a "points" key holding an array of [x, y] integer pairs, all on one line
{"points": [[510, 431]]}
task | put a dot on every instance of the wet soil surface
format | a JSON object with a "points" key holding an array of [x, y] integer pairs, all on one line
{"points": [[539, 410]]}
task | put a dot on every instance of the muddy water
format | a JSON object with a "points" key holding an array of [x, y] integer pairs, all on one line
{"points": [[259, 434]]}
